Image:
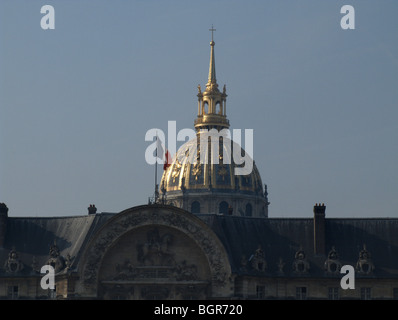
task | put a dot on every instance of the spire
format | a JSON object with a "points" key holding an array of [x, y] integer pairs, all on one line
{"points": [[212, 67], [211, 102]]}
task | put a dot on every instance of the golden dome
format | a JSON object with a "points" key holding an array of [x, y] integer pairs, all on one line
{"points": [[189, 172], [216, 175]]}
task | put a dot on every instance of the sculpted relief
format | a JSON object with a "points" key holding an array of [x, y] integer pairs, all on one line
{"points": [[156, 259], [156, 250], [152, 245]]}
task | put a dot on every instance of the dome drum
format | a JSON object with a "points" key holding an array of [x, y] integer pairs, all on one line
{"points": [[219, 203]]}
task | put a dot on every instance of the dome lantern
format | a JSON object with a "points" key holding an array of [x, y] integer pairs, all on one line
{"points": [[212, 103]]}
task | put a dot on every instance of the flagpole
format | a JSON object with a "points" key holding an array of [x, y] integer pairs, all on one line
{"points": [[156, 168]]}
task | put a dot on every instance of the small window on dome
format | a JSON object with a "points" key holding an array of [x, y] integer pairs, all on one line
{"points": [[223, 207], [248, 210], [195, 207]]}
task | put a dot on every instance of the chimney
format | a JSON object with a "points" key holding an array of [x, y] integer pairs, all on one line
{"points": [[319, 228], [92, 209], [3, 223]]}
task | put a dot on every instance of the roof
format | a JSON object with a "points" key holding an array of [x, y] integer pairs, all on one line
{"points": [[283, 237], [33, 237], [241, 236]]}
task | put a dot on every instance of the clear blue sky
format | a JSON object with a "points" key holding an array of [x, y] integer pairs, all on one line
{"points": [[76, 102]]}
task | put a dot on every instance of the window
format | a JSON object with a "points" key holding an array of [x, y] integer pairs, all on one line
{"points": [[12, 292], [248, 210], [223, 207], [260, 292], [301, 293], [219, 107], [366, 294], [333, 293], [395, 293], [52, 293], [333, 267], [205, 107], [195, 207]]}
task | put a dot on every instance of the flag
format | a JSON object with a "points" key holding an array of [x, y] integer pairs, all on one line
{"points": [[168, 160], [162, 154], [159, 149]]}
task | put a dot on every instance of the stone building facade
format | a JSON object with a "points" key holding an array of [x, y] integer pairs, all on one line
{"points": [[163, 252]]}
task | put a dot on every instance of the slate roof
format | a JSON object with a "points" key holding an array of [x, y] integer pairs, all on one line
{"points": [[241, 236], [32, 237], [283, 237]]}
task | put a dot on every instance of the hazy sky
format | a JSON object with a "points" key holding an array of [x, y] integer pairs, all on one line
{"points": [[76, 101]]}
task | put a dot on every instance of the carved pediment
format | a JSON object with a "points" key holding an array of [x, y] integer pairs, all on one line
{"points": [[332, 263], [13, 264], [147, 243], [365, 264], [56, 260], [300, 263], [257, 260]]}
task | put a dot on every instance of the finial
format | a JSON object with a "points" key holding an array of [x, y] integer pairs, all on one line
{"points": [[212, 69], [212, 30]]}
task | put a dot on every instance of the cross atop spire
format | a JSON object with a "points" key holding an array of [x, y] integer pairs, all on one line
{"points": [[212, 69], [212, 30]]}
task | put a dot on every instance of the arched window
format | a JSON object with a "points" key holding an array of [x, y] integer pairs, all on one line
{"points": [[223, 207], [249, 210], [205, 107], [218, 107], [195, 207]]}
